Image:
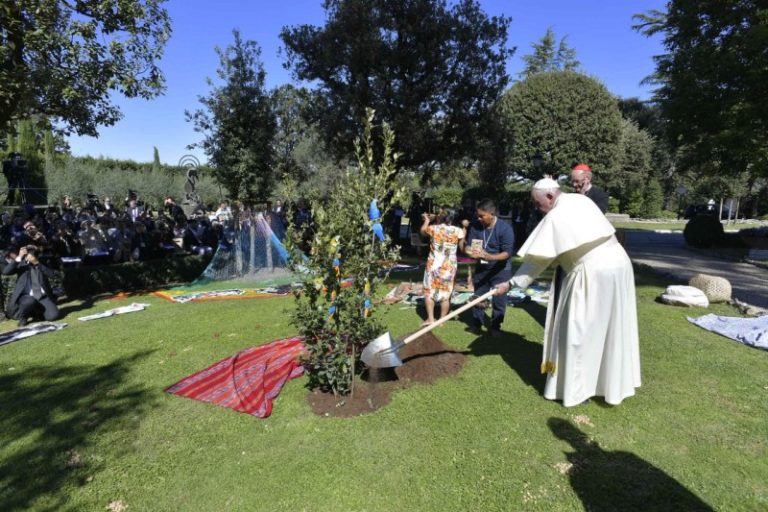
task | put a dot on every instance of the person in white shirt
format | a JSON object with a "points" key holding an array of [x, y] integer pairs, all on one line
{"points": [[224, 213], [591, 342]]}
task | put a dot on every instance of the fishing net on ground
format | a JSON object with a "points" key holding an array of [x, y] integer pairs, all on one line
{"points": [[251, 254]]}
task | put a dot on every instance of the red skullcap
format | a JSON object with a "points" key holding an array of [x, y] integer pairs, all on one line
{"points": [[582, 167]]}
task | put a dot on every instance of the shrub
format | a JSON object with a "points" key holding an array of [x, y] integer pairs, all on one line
{"points": [[703, 231], [732, 240], [666, 214], [634, 205], [140, 275], [336, 323], [78, 176], [82, 282], [653, 198], [447, 196], [614, 205]]}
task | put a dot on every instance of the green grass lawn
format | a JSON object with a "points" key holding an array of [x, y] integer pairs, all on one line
{"points": [[84, 422]]}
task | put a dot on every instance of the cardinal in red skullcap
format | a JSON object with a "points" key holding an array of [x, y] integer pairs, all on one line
{"points": [[581, 179]]}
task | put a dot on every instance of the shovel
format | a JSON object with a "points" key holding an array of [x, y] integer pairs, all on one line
{"points": [[383, 353]]}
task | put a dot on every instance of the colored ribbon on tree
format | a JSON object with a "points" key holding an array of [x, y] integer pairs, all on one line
{"points": [[375, 217], [367, 302], [332, 308]]}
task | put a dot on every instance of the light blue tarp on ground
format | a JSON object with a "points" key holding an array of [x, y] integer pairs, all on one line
{"points": [[749, 331]]}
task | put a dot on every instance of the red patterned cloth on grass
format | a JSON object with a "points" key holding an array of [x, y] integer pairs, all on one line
{"points": [[247, 381]]}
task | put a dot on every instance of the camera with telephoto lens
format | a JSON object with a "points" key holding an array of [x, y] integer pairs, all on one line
{"points": [[14, 166]]}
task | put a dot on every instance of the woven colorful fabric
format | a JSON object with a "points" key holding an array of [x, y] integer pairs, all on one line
{"points": [[247, 381], [229, 294]]}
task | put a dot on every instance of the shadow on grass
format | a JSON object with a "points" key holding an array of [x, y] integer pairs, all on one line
{"points": [[75, 306], [615, 480], [50, 416], [521, 355], [536, 310]]}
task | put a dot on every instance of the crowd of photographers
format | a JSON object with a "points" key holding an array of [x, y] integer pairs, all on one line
{"points": [[99, 232]]}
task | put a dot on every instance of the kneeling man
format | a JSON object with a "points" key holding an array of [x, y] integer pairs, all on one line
{"points": [[32, 286]]}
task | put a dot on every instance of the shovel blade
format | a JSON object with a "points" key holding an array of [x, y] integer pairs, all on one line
{"points": [[379, 353]]}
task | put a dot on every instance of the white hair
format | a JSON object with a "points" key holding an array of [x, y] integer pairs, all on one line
{"points": [[546, 186]]}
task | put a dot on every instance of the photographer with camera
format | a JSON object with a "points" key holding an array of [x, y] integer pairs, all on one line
{"points": [[32, 287], [92, 204], [33, 236]]}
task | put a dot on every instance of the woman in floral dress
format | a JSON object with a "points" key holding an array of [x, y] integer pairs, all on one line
{"points": [[441, 264]]}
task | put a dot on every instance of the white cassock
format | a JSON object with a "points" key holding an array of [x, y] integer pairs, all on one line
{"points": [[591, 344]]}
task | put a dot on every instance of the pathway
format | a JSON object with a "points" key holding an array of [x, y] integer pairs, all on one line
{"points": [[667, 253]]}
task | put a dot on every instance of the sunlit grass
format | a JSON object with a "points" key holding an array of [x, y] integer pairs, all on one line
{"points": [[85, 422]]}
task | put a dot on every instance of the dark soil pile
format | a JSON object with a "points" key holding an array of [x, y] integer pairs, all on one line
{"points": [[425, 360]]}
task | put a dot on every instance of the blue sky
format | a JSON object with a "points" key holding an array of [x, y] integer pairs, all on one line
{"points": [[599, 30]]}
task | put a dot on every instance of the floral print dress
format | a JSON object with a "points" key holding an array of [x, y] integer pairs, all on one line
{"points": [[441, 264]]}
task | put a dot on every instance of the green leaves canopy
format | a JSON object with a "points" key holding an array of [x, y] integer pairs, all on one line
{"points": [[430, 71], [63, 59], [713, 81], [546, 58], [238, 123], [568, 117]]}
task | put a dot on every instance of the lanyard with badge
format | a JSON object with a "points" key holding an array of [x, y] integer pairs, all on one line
{"points": [[487, 241], [476, 243]]}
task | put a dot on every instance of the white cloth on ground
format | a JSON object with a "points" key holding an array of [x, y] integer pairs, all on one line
{"points": [[749, 331], [115, 311], [29, 330], [681, 295]]}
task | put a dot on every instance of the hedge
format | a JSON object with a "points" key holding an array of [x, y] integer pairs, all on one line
{"points": [[80, 282], [142, 275]]}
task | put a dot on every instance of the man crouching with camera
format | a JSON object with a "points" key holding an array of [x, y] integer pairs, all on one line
{"points": [[32, 286]]}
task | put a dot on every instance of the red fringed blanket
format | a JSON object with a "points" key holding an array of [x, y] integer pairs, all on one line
{"points": [[249, 380]]}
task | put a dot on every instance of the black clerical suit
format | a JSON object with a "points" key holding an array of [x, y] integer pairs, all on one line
{"points": [[599, 197], [32, 288]]}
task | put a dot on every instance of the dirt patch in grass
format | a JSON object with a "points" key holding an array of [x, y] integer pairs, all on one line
{"points": [[425, 360]]}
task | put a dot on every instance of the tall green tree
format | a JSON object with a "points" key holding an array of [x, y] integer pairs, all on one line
{"points": [[49, 146], [302, 162], [66, 59], [566, 117], [547, 57], [647, 116], [430, 70], [635, 163], [291, 106], [156, 165], [712, 82], [28, 144], [238, 123]]}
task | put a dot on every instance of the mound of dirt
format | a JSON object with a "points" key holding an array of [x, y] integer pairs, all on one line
{"points": [[425, 360]]}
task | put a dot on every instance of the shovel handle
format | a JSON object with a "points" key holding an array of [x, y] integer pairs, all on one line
{"points": [[447, 317]]}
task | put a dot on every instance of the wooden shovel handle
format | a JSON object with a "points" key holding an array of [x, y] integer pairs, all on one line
{"points": [[447, 317]]}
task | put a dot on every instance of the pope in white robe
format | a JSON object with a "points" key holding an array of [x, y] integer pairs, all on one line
{"points": [[591, 344]]}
